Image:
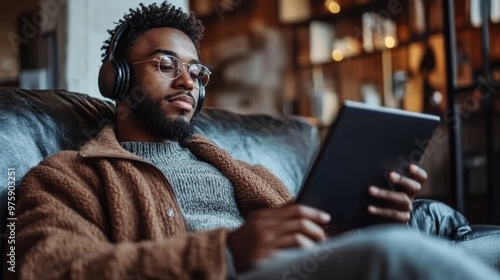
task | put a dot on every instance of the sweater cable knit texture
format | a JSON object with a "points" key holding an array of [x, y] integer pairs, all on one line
{"points": [[205, 195]]}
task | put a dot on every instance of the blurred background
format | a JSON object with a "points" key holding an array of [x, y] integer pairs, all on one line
{"points": [[305, 57]]}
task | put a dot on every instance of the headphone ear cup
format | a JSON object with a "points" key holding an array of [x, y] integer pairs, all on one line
{"points": [[107, 79], [122, 78], [114, 75], [114, 78], [201, 99]]}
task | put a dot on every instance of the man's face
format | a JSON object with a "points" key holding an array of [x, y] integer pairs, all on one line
{"points": [[165, 106]]}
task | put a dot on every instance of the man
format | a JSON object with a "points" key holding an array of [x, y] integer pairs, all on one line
{"points": [[147, 199]]}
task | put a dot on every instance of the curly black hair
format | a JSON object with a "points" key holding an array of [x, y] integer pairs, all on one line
{"points": [[152, 16]]}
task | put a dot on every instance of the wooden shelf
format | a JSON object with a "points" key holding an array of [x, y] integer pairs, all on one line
{"points": [[351, 11], [400, 45]]}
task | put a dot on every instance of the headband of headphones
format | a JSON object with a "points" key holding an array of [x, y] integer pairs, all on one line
{"points": [[114, 75]]}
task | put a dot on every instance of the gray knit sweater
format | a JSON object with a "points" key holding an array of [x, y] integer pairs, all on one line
{"points": [[205, 195]]}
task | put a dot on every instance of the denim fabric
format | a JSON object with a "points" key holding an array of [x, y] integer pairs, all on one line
{"points": [[382, 252]]}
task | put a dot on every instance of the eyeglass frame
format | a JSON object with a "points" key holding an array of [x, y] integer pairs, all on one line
{"points": [[180, 72]]}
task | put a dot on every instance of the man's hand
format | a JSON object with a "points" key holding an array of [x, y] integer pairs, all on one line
{"points": [[400, 202], [268, 230]]}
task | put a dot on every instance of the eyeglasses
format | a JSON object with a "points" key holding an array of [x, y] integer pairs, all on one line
{"points": [[170, 68]]}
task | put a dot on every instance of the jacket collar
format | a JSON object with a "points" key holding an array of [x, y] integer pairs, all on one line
{"points": [[105, 144]]}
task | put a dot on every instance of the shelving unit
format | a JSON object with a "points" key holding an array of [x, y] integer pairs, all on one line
{"points": [[487, 90], [346, 75]]}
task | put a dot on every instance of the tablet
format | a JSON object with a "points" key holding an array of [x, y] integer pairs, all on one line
{"points": [[360, 149]]}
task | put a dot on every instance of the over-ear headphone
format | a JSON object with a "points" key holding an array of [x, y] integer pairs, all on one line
{"points": [[114, 75], [201, 99]]}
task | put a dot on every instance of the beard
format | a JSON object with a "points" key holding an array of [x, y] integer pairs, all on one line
{"points": [[152, 115]]}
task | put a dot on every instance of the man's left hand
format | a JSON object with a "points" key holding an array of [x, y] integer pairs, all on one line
{"points": [[400, 201]]}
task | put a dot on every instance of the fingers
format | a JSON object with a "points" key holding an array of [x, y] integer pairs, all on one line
{"points": [[303, 227], [402, 217], [298, 211], [410, 186], [289, 220], [294, 240], [418, 173], [398, 200], [400, 205], [267, 230]]}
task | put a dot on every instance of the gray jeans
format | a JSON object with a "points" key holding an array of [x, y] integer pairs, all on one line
{"points": [[382, 252]]}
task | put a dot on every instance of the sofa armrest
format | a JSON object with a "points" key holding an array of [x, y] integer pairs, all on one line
{"points": [[479, 231]]}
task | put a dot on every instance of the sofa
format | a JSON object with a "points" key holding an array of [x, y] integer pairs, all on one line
{"points": [[38, 123]]}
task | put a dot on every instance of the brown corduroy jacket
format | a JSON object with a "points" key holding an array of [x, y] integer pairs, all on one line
{"points": [[104, 213]]}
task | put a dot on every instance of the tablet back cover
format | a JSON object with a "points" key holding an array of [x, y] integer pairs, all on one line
{"points": [[361, 148]]}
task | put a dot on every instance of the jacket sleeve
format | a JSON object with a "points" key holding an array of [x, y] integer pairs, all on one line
{"points": [[60, 237]]}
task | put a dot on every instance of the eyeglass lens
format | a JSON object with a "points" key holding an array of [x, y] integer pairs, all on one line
{"points": [[170, 67]]}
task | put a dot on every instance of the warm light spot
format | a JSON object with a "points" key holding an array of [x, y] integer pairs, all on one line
{"points": [[337, 55], [390, 42], [332, 6], [437, 97]]}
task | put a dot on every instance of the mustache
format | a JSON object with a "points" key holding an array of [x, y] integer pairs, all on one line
{"points": [[180, 93]]}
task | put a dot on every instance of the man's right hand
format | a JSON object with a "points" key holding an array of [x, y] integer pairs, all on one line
{"points": [[268, 230]]}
